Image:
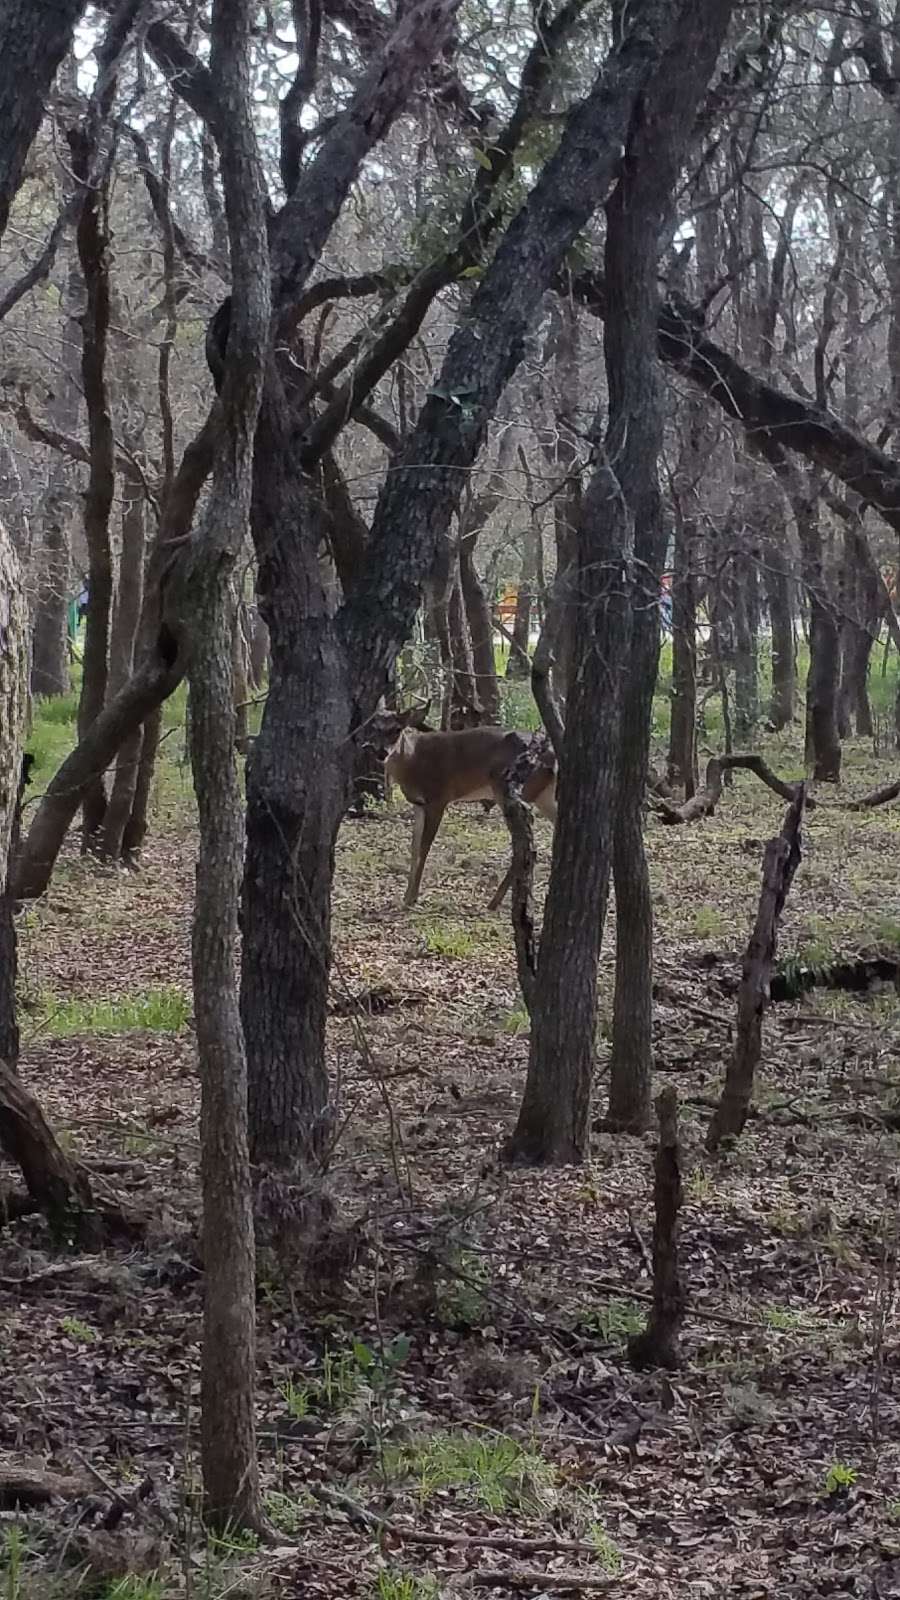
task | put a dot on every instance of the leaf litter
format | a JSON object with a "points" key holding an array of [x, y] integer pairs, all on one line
{"points": [[460, 1416]]}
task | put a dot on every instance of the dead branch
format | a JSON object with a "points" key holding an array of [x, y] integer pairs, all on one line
{"points": [[704, 802], [875, 797], [565, 1582], [657, 1346], [780, 863]]}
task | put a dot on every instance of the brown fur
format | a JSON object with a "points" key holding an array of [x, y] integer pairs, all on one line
{"points": [[434, 770]]}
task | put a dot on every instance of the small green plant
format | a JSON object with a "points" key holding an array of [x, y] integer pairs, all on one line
{"points": [[893, 1510], [516, 1021], [393, 1585], [707, 922], [13, 1553], [490, 1470], [158, 1011], [133, 1588], [462, 1300], [839, 1477], [616, 1321], [449, 939], [80, 1332], [285, 1512], [608, 1553], [296, 1397], [699, 1186], [783, 1319]]}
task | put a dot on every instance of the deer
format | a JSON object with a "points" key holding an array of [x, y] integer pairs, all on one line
{"points": [[435, 770]]}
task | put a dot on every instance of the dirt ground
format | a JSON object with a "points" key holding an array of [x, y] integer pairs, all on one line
{"points": [[461, 1416]]}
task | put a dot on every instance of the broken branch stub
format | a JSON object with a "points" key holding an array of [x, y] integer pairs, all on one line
{"points": [[658, 1345], [780, 862]]}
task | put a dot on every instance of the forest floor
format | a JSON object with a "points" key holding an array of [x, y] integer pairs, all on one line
{"points": [[460, 1415]]}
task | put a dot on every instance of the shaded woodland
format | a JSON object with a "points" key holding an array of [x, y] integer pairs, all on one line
{"points": [[416, 422]]}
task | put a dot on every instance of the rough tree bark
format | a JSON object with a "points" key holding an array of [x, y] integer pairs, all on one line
{"points": [[228, 1379], [635, 216], [122, 648], [331, 678], [34, 37], [93, 238], [13, 711]]}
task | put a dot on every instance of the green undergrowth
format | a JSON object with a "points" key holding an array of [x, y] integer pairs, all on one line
{"points": [[164, 1010]]}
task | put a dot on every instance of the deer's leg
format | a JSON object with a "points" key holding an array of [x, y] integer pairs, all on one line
{"points": [[425, 826]]}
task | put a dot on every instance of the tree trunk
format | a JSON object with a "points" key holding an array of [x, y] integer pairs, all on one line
{"points": [[122, 647], [228, 1377], [481, 629], [553, 1125], [658, 1345], [682, 763], [34, 37], [517, 665], [13, 708], [746, 648], [823, 745], [49, 655], [779, 590], [92, 235], [862, 616], [642, 198], [297, 791]]}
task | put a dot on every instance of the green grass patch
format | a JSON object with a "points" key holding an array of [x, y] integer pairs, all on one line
{"points": [[486, 1469], [157, 1011]]}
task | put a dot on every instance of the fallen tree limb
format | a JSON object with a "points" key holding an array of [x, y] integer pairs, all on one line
{"points": [[23, 1487], [704, 802]]}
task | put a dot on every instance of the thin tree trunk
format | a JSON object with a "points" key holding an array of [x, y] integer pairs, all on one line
{"points": [[50, 655], [517, 665], [779, 590], [553, 1124], [682, 762], [746, 648], [228, 1376], [122, 647], [658, 1345], [13, 710], [481, 630], [92, 235]]}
